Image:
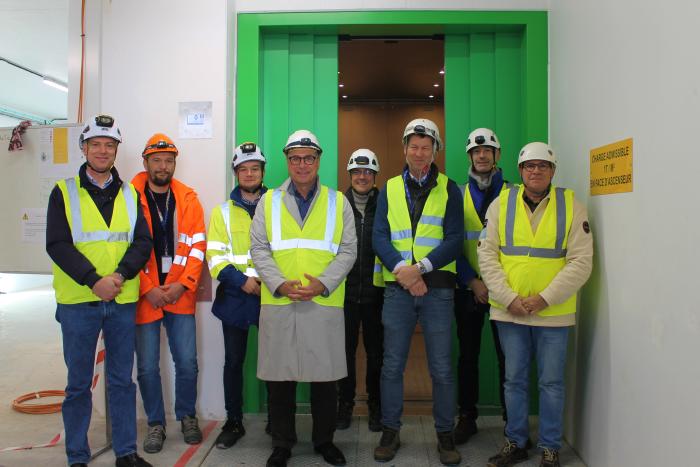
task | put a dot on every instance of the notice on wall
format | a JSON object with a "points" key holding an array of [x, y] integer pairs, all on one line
{"points": [[33, 222], [195, 120], [611, 168]]}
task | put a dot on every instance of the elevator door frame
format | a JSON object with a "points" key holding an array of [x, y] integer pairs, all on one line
{"points": [[248, 75]]}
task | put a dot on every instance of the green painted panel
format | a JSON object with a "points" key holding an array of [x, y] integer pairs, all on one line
{"points": [[271, 45]]}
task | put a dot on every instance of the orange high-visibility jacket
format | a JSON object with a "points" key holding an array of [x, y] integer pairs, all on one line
{"points": [[191, 244]]}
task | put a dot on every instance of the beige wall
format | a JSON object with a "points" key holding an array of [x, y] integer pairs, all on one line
{"points": [[379, 127]]}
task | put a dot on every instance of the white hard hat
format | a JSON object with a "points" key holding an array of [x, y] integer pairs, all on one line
{"points": [[100, 125], [423, 126], [363, 159], [537, 151], [482, 137], [247, 152], [302, 139]]}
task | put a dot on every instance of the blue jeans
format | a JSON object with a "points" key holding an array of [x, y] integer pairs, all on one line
{"points": [[81, 325], [182, 340], [549, 345], [434, 311]]}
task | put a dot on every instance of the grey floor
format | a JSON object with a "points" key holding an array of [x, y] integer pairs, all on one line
{"points": [[33, 363]]}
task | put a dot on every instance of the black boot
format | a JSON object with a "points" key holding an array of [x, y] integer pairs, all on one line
{"points": [[375, 417], [344, 415]]}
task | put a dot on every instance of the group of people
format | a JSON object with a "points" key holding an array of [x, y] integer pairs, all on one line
{"points": [[310, 266]]}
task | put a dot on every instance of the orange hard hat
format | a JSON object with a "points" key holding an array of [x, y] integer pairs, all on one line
{"points": [[159, 142]]}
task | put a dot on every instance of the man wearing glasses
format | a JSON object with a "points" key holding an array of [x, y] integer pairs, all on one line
{"points": [[168, 295], [303, 245], [535, 254], [363, 301], [418, 231]]}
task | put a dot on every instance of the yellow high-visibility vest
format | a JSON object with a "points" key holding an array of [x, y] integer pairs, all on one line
{"points": [[530, 259], [429, 231], [310, 249], [104, 246], [228, 240], [472, 229]]}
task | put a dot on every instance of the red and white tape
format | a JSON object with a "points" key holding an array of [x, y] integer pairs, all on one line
{"points": [[98, 398]]}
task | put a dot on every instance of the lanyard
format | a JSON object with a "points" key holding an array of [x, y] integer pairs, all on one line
{"points": [[163, 219]]}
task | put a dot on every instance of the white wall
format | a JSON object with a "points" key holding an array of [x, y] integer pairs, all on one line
{"points": [[145, 57], [630, 69]]}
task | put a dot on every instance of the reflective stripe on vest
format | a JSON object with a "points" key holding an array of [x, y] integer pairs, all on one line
{"points": [[101, 244], [77, 232], [242, 261], [531, 260], [303, 250], [429, 230]]}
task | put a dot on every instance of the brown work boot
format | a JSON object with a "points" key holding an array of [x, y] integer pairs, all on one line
{"points": [[550, 458], [388, 445], [510, 454], [449, 455]]}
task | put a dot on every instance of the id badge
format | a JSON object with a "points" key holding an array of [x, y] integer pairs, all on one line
{"points": [[166, 262]]}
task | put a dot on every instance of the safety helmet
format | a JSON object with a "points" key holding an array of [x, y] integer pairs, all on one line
{"points": [[423, 126], [159, 142], [302, 139], [247, 152], [537, 151], [100, 125], [363, 159], [482, 137]]}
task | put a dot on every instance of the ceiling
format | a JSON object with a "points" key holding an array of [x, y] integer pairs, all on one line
{"points": [[34, 34], [391, 69]]}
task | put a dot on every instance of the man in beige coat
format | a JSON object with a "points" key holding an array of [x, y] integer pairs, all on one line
{"points": [[535, 253], [303, 244]]}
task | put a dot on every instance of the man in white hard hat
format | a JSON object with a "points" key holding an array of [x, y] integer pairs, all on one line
{"points": [[363, 300], [237, 302], [303, 245], [98, 240], [535, 254], [418, 231], [484, 183]]}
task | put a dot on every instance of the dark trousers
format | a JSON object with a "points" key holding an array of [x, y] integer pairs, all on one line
{"points": [[235, 343], [470, 319], [370, 317], [282, 408]]}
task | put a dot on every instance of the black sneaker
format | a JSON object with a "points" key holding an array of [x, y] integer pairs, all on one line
{"points": [[344, 415], [132, 460], [465, 429], [375, 418], [449, 455], [231, 432], [510, 454], [190, 430], [388, 445], [155, 437], [279, 457], [550, 458]]}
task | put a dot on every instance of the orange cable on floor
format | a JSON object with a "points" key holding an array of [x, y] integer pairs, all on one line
{"points": [[19, 406]]}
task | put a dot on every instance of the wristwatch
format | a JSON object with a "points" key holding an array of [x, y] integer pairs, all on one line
{"points": [[422, 268]]}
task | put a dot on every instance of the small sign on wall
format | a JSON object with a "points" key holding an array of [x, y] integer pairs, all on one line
{"points": [[611, 168], [195, 120]]}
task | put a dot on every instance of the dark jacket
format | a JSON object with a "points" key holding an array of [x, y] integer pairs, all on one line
{"points": [[453, 229], [59, 241], [358, 285], [232, 305]]}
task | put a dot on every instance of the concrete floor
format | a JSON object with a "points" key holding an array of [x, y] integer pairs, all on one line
{"points": [[31, 361]]}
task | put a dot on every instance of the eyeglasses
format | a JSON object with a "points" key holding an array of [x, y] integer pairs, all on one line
{"points": [[361, 172], [296, 160], [531, 166]]}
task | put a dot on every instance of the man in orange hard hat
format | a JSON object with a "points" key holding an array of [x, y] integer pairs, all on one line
{"points": [[168, 290]]}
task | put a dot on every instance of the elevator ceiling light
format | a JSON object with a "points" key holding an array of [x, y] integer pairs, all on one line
{"points": [[431, 96], [341, 85], [442, 72], [436, 85], [345, 96]]}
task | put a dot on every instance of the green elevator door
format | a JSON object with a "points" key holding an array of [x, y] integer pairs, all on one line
{"points": [[299, 74], [484, 88]]}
